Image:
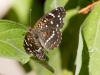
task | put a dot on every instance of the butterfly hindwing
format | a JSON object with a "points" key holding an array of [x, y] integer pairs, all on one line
{"points": [[50, 38], [33, 46]]}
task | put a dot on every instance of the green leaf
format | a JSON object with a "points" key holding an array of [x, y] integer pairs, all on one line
{"points": [[11, 41], [82, 57], [78, 62], [45, 64], [89, 55], [20, 11], [91, 33], [51, 4]]}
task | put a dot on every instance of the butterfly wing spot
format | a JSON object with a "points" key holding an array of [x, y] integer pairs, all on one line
{"points": [[40, 54], [30, 45], [61, 8], [28, 49], [52, 35], [26, 42], [54, 42], [45, 21], [39, 49], [57, 25], [56, 29], [46, 26], [53, 32], [60, 19], [41, 27], [51, 22], [28, 39], [56, 9], [58, 16], [51, 14]]}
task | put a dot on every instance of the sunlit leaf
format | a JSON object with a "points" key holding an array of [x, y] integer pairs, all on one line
{"points": [[89, 51], [11, 40]]}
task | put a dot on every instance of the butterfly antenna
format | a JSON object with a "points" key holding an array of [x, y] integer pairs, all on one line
{"points": [[30, 16]]}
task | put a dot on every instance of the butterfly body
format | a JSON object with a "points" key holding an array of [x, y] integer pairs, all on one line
{"points": [[45, 33]]}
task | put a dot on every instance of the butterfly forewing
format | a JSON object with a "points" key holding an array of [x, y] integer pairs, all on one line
{"points": [[53, 19], [46, 33]]}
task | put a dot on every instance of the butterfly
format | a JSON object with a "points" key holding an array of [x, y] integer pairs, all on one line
{"points": [[45, 33]]}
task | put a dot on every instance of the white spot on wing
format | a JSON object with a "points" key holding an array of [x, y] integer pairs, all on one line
{"points": [[52, 35], [53, 32], [31, 45], [56, 30], [57, 25], [50, 38], [28, 48], [28, 39], [46, 26], [51, 22], [44, 20], [58, 16], [51, 14], [26, 43], [56, 9], [55, 42], [46, 41], [41, 26], [39, 49]]}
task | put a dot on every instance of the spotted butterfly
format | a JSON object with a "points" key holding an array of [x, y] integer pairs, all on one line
{"points": [[45, 33]]}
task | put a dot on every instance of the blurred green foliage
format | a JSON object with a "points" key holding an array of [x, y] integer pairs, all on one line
{"points": [[62, 59]]}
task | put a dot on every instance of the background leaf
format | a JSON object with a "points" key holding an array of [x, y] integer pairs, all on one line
{"points": [[90, 53], [51, 4], [91, 33], [20, 11], [11, 42]]}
